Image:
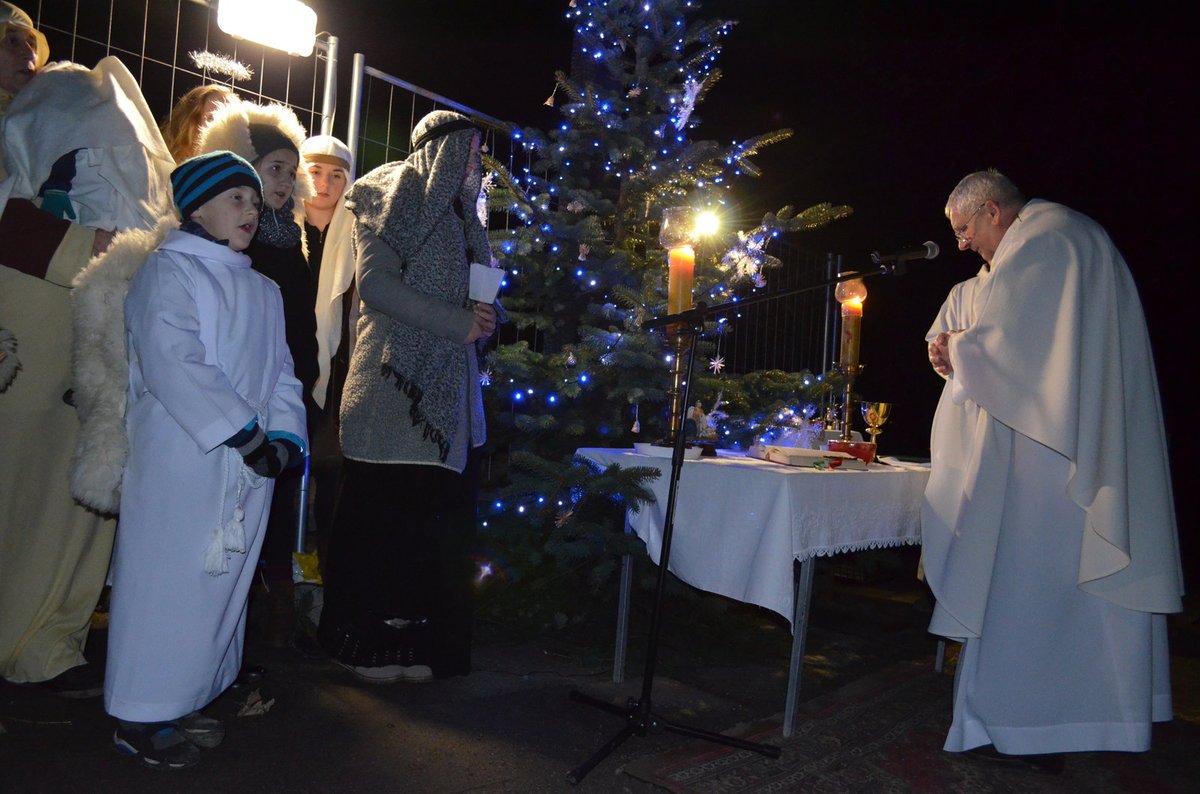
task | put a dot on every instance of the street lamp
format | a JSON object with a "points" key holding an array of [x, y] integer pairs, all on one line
{"points": [[287, 25]]}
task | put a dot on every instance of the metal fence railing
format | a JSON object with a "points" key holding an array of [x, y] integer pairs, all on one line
{"points": [[384, 108], [155, 40], [794, 332]]}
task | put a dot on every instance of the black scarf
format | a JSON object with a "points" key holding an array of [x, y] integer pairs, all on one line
{"points": [[278, 227]]}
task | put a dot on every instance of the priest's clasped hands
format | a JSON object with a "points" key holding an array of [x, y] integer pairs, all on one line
{"points": [[939, 353]]}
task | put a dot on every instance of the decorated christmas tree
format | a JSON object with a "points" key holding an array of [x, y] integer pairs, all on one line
{"points": [[578, 238]]}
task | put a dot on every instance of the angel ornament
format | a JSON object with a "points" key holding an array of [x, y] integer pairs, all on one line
{"points": [[705, 423]]}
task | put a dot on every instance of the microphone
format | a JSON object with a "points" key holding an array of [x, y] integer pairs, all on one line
{"points": [[927, 251]]}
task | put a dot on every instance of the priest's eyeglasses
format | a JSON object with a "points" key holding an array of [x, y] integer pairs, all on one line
{"points": [[960, 233]]}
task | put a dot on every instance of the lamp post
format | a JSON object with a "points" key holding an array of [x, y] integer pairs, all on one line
{"points": [[287, 25], [850, 294]]}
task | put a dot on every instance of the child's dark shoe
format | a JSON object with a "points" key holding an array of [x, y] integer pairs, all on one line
{"points": [[157, 745], [200, 730]]}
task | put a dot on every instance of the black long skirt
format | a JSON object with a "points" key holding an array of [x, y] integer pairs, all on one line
{"points": [[399, 575]]}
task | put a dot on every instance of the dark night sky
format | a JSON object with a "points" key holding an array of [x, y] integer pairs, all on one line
{"points": [[1088, 104]]}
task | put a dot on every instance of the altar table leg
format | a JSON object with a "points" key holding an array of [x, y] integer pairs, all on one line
{"points": [[802, 596], [618, 674]]}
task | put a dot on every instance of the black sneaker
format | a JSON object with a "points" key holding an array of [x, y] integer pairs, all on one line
{"points": [[157, 745], [200, 730], [83, 681]]}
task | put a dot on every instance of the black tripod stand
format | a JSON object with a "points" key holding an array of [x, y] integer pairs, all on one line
{"points": [[639, 715]]}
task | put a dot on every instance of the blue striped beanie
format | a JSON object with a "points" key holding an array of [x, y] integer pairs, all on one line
{"points": [[200, 178]]}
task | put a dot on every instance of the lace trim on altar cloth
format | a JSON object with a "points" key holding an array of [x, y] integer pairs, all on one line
{"points": [[867, 545]]}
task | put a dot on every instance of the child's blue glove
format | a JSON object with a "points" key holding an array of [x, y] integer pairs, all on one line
{"points": [[266, 457]]}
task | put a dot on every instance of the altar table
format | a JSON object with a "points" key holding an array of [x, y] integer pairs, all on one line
{"points": [[741, 524]]}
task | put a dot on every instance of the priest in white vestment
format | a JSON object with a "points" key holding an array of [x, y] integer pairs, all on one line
{"points": [[1048, 525]]}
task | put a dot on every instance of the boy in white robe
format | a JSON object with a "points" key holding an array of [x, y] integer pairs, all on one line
{"points": [[209, 372], [1048, 526]]}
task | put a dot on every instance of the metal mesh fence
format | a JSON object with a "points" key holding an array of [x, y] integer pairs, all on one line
{"points": [[155, 39], [794, 331]]}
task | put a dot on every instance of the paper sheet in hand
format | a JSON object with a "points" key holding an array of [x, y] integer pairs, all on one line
{"points": [[485, 282]]}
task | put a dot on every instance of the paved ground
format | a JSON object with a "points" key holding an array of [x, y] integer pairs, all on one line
{"points": [[510, 726]]}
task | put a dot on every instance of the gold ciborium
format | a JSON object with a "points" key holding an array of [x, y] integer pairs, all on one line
{"points": [[875, 414]]}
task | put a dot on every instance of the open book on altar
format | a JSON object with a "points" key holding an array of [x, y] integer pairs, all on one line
{"points": [[812, 458]]}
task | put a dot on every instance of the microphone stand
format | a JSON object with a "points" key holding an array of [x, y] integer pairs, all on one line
{"points": [[639, 715]]}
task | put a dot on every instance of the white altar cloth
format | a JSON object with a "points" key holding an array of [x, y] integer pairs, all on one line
{"points": [[740, 521]]}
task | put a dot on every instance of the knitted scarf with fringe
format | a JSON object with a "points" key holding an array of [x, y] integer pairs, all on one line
{"points": [[403, 204]]}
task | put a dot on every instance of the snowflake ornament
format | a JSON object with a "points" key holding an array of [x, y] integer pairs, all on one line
{"points": [[691, 92], [485, 377], [716, 364], [563, 517]]}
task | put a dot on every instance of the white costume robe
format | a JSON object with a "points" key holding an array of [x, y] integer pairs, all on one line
{"points": [[54, 553], [1048, 526], [207, 355]]}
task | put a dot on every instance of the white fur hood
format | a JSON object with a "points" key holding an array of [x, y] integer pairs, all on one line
{"points": [[100, 365]]}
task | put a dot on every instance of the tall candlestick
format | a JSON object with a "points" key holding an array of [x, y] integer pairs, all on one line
{"points": [[851, 295], [681, 274], [676, 234], [851, 334]]}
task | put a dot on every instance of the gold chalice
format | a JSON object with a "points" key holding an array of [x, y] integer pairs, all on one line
{"points": [[875, 414]]}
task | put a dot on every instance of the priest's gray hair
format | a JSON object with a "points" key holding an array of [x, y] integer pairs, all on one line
{"points": [[974, 189]]}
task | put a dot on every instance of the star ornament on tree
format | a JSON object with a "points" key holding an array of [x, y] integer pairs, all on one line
{"points": [[716, 364], [485, 377]]}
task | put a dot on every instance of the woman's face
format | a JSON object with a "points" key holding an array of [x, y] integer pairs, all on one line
{"points": [[329, 184], [18, 58], [277, 170]]}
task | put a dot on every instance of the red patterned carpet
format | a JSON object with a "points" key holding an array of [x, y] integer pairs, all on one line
{"points": [[885, 733]]}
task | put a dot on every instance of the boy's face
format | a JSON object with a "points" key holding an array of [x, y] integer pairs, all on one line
{"points": [[18, 57], [232, 216], [277, 170], [329, 183]]}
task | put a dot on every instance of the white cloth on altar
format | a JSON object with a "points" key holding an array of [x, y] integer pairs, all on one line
{"points": [[1050, 427], [741, 522]]}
